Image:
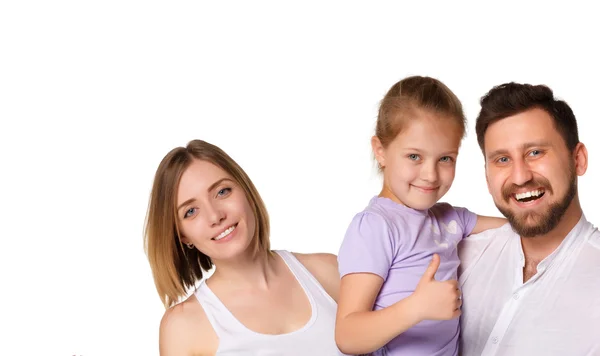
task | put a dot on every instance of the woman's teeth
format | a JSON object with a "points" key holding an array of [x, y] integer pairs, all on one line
{"points": [[224, 233]]}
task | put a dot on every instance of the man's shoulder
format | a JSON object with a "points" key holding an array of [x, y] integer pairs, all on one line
{"points": [[476, 243], [504, 232], [594, 238], [489, 242]]}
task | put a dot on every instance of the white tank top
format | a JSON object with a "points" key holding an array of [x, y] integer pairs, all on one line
{"points": [[315, 338]]}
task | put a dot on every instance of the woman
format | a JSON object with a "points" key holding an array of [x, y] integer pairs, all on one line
{"points": [[204, 211]]}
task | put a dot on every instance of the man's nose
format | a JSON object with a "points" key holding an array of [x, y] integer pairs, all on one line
{"points": [[521, 173]]}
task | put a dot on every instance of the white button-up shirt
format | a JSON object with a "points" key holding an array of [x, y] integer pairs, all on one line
{"points": [[556, 312]]}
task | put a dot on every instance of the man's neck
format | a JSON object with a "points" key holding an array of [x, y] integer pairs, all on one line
{"points": [[536, 249]]}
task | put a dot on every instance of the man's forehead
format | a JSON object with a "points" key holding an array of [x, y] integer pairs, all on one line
{"points": [[518, 130]]}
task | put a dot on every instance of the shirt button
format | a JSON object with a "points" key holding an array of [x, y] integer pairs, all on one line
{"points": [[516, 296], [495, 340]]}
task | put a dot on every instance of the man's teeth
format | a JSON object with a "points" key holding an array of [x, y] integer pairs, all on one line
{"points": [[224, 233], [533, 193]]}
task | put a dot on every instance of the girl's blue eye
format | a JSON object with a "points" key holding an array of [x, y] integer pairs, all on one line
{"points": [[446, 159], [413, 157]]}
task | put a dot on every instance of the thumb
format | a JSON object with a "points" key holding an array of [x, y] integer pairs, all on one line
{"points": [[429, 274]]}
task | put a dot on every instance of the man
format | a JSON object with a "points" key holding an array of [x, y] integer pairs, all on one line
{"points": [[531, 287]]}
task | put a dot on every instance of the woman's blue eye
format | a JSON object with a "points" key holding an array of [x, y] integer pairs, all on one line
{"points": [[189, 212], [224, 191]]}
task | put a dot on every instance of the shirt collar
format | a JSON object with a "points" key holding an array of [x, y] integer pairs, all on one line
{"points": [[574, 238]]}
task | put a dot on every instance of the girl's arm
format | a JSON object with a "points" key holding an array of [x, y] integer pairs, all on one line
{"points": [[487, 222], [360, 330]]}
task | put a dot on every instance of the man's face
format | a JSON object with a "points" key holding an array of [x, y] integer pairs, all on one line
{"points": [[530, 171]]}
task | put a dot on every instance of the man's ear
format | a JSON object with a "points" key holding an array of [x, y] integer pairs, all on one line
{"points": [[580, 155]]}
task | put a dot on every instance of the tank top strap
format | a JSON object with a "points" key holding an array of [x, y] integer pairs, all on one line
{"points": [[305, 278], [220, 318]]}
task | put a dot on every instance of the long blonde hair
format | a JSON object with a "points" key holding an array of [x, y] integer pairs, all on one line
{"points": [[176, 269]]}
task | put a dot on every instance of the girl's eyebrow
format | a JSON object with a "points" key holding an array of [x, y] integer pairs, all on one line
{"points": [[420, 151]]}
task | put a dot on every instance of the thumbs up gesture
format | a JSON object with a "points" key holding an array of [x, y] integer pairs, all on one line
{"points": [[437, 300]]}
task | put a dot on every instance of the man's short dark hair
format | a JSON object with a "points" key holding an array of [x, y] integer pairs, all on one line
{"points": [[510, 99]]}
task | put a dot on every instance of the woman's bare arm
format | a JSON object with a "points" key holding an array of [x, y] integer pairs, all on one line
{"points": [[186, 331]]}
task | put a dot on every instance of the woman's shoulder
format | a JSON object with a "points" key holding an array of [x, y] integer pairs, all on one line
{"points": [[185, 329], [323, 262], [324, 267]]}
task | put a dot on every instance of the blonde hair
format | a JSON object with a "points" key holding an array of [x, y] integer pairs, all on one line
{"points": [[405, 98], [175, 269]]}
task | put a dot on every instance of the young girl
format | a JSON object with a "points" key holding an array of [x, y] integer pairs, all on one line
{"points": [[398, 260]]}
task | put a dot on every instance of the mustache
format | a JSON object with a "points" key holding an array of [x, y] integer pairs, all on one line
{"points": [[535, 183]]}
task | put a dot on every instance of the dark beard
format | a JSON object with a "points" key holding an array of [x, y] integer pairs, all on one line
{"points": [[547, 221]]}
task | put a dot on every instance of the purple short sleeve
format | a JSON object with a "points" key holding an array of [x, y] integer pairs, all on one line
{"points": [[467, 218], [367, 247]]}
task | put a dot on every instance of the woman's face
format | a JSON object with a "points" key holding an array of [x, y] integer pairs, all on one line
{"points": [[213, 212]]}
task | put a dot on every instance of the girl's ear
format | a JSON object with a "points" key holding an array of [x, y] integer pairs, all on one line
{"points": [[378, 151]]}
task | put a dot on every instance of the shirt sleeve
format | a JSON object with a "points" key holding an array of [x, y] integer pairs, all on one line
{"points": [[368, 246], [467, 218]]}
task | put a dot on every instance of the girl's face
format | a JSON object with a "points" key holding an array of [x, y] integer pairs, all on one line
{"points": [[419, 164]]}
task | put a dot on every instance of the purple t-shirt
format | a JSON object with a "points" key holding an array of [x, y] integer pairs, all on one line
{"points": [[397, 243]]}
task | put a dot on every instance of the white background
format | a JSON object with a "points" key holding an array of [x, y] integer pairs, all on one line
{"points": [[94, 94]]}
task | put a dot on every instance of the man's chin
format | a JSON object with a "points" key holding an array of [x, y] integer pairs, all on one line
{"points": [[532, 224], [527, 228], [528, 224]]}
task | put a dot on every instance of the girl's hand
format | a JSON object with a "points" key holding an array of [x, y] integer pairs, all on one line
{"points": [[437, 300]]}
